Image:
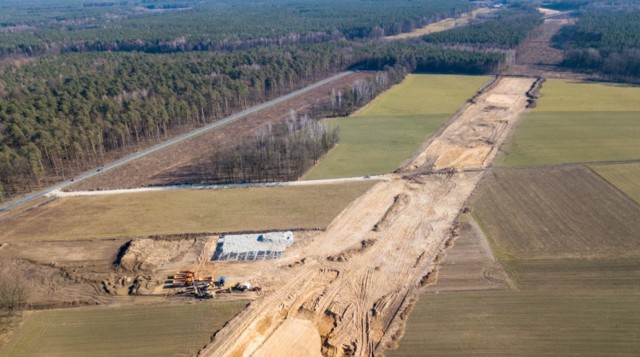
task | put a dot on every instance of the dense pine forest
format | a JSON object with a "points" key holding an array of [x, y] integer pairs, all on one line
{"points": [[85, 81], [504, 29], [604, 41], [45, 27]]}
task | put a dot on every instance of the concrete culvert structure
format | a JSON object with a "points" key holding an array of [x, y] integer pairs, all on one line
{"points": [[256, 246]]}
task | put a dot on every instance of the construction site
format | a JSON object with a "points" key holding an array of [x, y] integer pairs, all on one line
{"points": [[348, 291], [342, 290], [459, 183]]}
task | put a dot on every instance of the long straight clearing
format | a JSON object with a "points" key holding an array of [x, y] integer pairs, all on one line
{"points": [[578, 122], [183, 211], [382, 135], [626, 177], [442, 25], [166, 330]]}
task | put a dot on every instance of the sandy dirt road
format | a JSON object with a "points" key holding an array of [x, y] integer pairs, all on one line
{"points": [[347, 292]]}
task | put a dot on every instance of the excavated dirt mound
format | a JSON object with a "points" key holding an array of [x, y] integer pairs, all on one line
{"points": [[150, 254]]}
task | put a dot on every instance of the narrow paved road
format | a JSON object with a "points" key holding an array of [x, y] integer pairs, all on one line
{"points": [[139, 154], [221, 186]]}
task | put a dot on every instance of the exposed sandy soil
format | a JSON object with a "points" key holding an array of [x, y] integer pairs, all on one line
{"points": [[441, 25], [472, 140], [343, 291], [61, 273], [91, 272], [181, 163], [151, 254], [547, 12], [356, 280]]}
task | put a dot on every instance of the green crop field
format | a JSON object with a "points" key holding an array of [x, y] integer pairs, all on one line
{"points": [[374, 145], [569, 243], [561, 137], [571, 96], [424, 94], [578, 122], [625, 177], [166, 330], [378, 138], [183, 211]]}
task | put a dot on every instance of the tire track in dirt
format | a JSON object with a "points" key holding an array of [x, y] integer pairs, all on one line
{"points": [[357, 305]]}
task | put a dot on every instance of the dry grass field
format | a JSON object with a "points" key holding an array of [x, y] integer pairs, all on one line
{"points": [[556, 213], [625, 177], [168, 330], [182, 211]]}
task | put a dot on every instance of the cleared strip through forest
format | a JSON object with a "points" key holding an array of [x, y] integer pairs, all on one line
{"points": [[168, 143]]}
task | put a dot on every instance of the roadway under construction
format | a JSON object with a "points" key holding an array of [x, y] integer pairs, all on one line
{"points": [[349, 291]]}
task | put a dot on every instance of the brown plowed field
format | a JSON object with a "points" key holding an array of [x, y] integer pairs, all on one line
{"points": [[182, 163], [563, 211], [348, 291], [469, 263]]}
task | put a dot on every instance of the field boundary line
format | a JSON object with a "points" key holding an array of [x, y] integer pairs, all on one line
{"points": [[570, 164], [619, 190]]}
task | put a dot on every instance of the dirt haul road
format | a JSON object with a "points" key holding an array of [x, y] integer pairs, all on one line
{"points": [[349, 290]]}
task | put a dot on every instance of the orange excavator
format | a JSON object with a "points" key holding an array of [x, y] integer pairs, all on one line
{"points": [[191, 282]]}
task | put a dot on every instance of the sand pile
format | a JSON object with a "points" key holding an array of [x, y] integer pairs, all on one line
{"points": [[151, 254]]}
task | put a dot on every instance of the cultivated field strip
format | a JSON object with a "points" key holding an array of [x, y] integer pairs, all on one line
{"points": [[356, 279], [597, 219]]}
